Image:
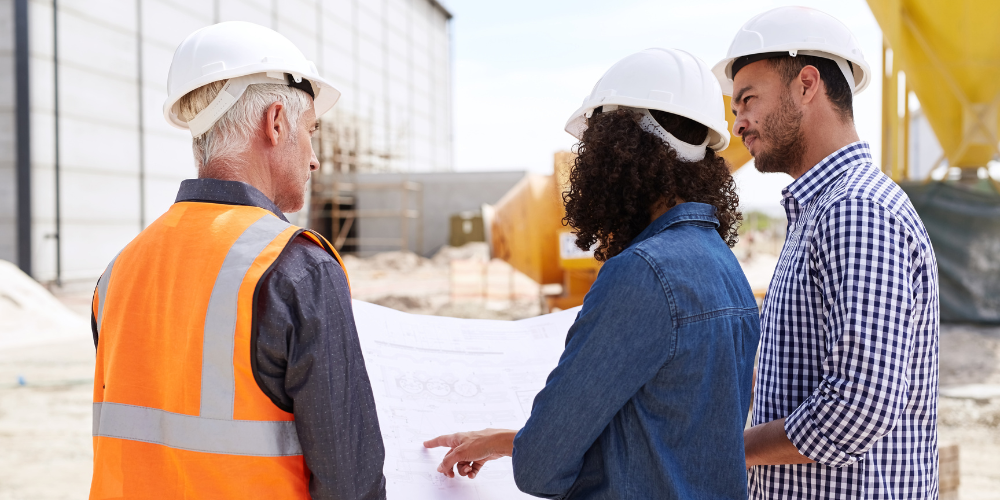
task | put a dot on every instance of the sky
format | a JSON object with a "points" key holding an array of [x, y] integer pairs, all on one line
{"points": [[522, 67]]}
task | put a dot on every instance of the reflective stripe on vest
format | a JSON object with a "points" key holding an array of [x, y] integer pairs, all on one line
{"points": [[214, 430], [186, 432], [102, 292]]}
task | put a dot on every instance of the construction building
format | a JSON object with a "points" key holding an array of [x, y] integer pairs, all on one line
{"points": [[87, 160]]}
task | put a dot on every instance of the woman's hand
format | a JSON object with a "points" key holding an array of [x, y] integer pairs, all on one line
{"points": [[471, 450]]}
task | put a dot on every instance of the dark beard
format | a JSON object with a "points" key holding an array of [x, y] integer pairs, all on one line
{"points": [[782, 132]]}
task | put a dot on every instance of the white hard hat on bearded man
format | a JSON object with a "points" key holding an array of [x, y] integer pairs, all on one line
{"points": [[795, 31]]}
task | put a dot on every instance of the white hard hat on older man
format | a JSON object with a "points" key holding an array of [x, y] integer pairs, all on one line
{"points": [[244, 54]]}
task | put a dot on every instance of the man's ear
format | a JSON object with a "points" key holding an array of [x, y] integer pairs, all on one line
{"points": [[810, 83], [274, 122]]}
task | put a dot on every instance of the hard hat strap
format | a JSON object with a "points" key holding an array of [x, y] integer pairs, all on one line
{"points": [[685, 151], [230, 93]]}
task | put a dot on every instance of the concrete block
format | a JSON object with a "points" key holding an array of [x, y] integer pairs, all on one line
{"points": [[373, 9], [173, 24], [338, 64], [8, 193], [338, 32], [949, 473], [340, 9], [7, 82], [88, 45], [169, 155], [8, 136], [43, 249], [119, 14], [399, 68], [40, 29], [301, 12], [160, 194], [98, 198], [369, 25], [247, 4], [85, 144], [156, 63], [7, 25], [41, 96], [370, 80], [88, 248], [251, 11], [43, 144], [43, 190], [85, 94], [370, 53]]}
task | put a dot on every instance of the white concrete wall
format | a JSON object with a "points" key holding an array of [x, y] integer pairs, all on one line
{"points": [[390, 58], [8, 178], [443, 195]]}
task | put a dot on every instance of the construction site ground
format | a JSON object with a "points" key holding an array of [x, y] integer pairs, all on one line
{"points": [[46, 382]]}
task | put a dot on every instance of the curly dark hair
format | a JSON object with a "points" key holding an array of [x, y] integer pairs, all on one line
{"points": [[622, 173]]}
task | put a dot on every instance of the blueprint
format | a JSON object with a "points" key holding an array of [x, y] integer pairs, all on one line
{"points": [[433, 375]]}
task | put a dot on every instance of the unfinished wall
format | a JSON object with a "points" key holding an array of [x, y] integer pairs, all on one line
{"points": [[442, 194], [120, 163], [8, 179]]}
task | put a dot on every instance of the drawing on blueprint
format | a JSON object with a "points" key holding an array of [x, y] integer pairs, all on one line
{"points": [[432, 375]]}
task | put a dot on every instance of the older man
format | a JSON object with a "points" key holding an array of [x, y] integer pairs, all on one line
{"points": [[228, 364], [846, 390]]}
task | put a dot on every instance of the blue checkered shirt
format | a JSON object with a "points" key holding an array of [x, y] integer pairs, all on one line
{"points": [[849, 340]]}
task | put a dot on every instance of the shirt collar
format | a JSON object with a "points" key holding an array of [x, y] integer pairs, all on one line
{"points": [[226, 192], [815, 180], [684, 212]]}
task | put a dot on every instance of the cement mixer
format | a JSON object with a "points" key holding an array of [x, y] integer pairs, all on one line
{"points": [[948, 55]]}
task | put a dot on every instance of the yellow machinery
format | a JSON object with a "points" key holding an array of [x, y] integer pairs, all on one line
{"points": [[525, 229], [948, 54]]}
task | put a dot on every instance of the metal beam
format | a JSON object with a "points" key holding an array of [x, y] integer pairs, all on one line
{"points": [[23, 127]]}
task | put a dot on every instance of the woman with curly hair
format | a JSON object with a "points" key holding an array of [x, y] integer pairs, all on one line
{"points": [[651, 394]]}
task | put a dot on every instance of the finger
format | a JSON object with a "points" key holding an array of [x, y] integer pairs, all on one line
{"points": [[449, 440], [448, 462], [476, 467], [464, 468]]}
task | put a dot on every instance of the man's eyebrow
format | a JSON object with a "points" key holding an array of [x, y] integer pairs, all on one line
{"points": [[739, 95]]}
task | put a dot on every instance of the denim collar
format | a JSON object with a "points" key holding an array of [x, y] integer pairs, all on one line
{"points": [[226, 192], [685, 212], [824, 173]]}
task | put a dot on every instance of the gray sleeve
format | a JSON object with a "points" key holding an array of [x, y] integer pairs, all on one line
{"points": [[308, 360]]}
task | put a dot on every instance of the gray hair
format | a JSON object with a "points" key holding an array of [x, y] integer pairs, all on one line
{"points": [[230, 136]]}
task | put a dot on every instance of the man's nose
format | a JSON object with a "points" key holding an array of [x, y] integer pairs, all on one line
{"points": [[740, 126], [313, 162]]}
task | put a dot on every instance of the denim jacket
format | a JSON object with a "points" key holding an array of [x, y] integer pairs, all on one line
{"points": [[651, 394]]}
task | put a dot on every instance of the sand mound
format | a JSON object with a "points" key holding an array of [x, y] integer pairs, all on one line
{"points": [[29, 314]]}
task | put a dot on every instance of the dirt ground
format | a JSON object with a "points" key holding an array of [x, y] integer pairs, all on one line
{"points": [[46, 388]]}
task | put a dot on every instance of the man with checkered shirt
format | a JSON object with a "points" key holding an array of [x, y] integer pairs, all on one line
{"points": [[845, 402]]}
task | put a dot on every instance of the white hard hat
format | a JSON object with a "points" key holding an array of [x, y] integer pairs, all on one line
{"points": [[243, 53], [797, 31], [667, 80]]}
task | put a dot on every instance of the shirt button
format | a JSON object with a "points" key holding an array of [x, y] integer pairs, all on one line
{"points": [[791, 227]]}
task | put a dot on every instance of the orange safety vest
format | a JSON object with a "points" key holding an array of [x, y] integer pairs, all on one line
{"points": [[177, 411]]}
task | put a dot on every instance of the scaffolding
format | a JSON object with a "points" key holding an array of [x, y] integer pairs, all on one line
{"points": [[344, 150]]}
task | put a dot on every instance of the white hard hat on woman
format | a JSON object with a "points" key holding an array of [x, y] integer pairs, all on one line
{"points": [[244, 54], [669, 80], [793, 31]]}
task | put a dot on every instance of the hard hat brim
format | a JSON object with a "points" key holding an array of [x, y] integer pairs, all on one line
{"points": [[723, 69], [326, 94], [718, 132]]}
